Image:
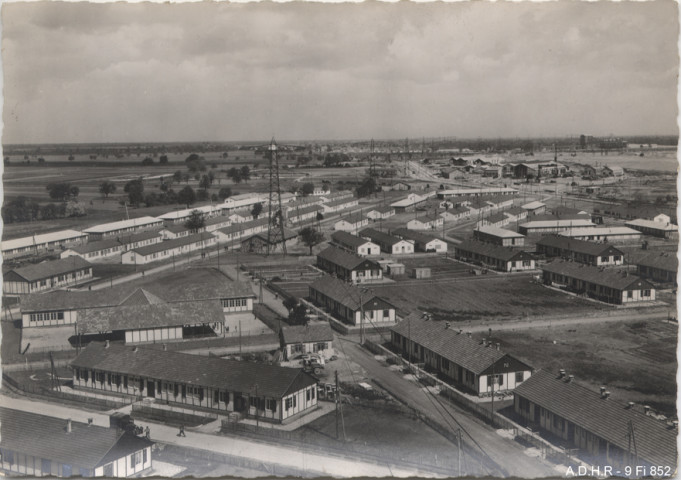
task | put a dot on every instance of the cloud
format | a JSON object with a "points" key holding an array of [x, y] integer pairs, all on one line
{"points": [[79, 72]]}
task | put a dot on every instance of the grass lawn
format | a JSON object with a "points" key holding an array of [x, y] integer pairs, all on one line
{"points": [[635, 360]]}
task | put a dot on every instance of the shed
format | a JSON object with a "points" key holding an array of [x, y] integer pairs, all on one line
{"points": [[419, 272], [395, 269]]}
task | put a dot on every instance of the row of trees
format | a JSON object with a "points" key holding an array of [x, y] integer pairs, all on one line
{"points": [[23, 209]]}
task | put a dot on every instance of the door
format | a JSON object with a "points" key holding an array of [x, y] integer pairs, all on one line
{"points": [[151, 390]]}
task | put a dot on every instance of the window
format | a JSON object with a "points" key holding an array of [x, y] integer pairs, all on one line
{"points": [[125, 382], [289, 403], [518, 377], [135, 459], [527, 263], [84, 472], [604, 259], [386, 313], [99, 377], [646, 293], [46, 466], [66, 470], [216, 396], [630, 294], [77, 372], [224, 397], [144, 456], [253, 401], [271, 404], [307, 394]]}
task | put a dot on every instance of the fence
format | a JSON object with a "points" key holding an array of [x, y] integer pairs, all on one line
{"points": [[171, 413]]}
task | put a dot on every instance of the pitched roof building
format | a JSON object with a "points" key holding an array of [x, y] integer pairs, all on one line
{"points": [[422, 242], [494, 256], [595, 424], [580, 251], [348, 266], [353, 243], [467, 362], [44, 242], [45, 276], [499, 236], [660, 267], [387, 242]]}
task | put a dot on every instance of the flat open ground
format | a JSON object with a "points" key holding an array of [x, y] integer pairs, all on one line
{"points": [[635, 360]]}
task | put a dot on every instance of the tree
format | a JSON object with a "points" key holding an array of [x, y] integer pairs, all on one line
{"points": [[177, 176], [106, 188], [211, 177], [202, 195], [186, 196], [135, 191], [60, 191], [311, 237], [290, 303], [205, 182], [234, 174], [163, 159], [257, 210], [298, 315], [196, 221], [148, 161], [41, 160], [225, 192], [74, 191], [320, 216], [368, 187], [245, 173], [307, 189], [195, 163]]}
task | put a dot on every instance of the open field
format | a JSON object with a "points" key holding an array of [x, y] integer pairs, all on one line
{"points": [[473, 297], [635, 360]]}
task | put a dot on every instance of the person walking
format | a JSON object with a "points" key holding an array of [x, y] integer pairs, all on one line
{"points": [[181, 434], [147, 433]]}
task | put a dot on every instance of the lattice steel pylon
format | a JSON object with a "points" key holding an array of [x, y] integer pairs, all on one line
{"points": [[275, 215]]}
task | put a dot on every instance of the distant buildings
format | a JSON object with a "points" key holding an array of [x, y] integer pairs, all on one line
{"points": [[103, 250], [357, 245], [302, 339], [425, 222], [258, 243], [475, 192], [608, 286], [37, 445], [113, 229], [409, 203], [168, 249], [351, 223], [348, 266], [347, 303], [534, 208], [479, 367], [582, 251], [422, 241], [604, 234], [494, 256], [381, 213], [595, 423], [499, 236], [553, 226], [45, 276], [339, 204], [659, 267], [42, 243], [656, 228], [388, 243]]}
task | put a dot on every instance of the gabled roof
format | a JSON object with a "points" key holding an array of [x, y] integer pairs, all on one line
{"points": [[346, 238], [578, 232], [639, 222], [239, 227], [450, 344], [578, 246], [174, 243], [411, 199], [113, 226], [416, 236], [533, 205], [382, 209], [96, 246], [494, 251], [176, 228], [340, 201], [141, 297], [293, 212], [211, 372], [307, 333], [496, 218], [662, 260], [354, 218], [345, 259], [153, 315], [605, 418], [346, 294], [600, 276], [515, 211], [379, 237], [217, 220], [41, 436], [39, 271], [499, 232], [288, 235], [427, 218], [558, 223], [60, 236], [138, 237]]}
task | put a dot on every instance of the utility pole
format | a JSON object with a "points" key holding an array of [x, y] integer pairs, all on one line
{"points": [[275, 220], [361, 318], [337, 395], [257, 402], [458, 441], [261, 286]]}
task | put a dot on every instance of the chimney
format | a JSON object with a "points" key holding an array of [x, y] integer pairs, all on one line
{"points": [[646, 409], [562, 373], [630, 405], [606, 394], [165, 347], [675, 424], [447, 325], [602, 391], [106, 344], [470, 335], [570, 378], [498, 346], [68, 425], [134, 349]]}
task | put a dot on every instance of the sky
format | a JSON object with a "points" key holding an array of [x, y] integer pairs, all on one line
{"points": [[83, 72]]}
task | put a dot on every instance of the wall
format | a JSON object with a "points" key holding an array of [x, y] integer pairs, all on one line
{"points": [[70, 317], [151, 335]]}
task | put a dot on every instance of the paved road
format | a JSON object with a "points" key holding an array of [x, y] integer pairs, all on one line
{"points": [[508, 456], [312, 463]]}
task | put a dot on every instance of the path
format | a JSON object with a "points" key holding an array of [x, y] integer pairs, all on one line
{"points": [[508, 455]]}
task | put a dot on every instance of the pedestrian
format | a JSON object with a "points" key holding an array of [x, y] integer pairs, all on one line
{"points": [[147, 433], [181, 434]]}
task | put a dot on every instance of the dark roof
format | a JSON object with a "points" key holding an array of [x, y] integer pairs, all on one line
{"points": [[578, 246], [383, 209], [343, 258], [345, 294], [496, 217], [562, 216], [340, 201], [153, 315], [491, 250], [562, 210], [307, 333], [238, 227], [177, 228], [49, 269], [515, 211], [348, 239], [95, 246], [605, 418], [212, 372], [288, 235], [379, 237], [138, 237], [174, 243], [662, 260], [353, 218], [414, 235], [450, 344], [127, 295], [216, 220], [41, 436], [428, 217], [616, 279], [293, 212]]}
